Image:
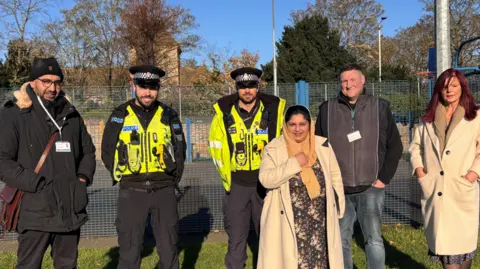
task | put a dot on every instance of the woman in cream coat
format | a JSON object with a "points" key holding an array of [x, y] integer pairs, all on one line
{"points": [[445, 156], [290, 236]]}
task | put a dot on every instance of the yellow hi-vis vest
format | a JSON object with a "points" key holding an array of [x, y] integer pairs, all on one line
{"points": [[141, 151], [226, 161], [247, 143]]}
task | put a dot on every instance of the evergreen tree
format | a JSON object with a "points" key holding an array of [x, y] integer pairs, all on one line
{"points": [[17, 63], [309, 50], [3, 76]]}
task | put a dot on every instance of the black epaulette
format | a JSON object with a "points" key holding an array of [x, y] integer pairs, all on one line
{"points": [[265, 118], [168, 114]]}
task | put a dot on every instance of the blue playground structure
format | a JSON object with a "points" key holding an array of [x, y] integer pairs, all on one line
{"points": [[468, 70]]}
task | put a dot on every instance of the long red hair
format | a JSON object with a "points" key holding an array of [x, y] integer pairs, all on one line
{"points": [[466, 99]]}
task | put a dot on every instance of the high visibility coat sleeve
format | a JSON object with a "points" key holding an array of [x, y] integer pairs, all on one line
{"points": [[219, 149]]}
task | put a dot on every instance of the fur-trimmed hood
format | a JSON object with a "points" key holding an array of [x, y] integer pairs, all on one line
{"points": [[23, 100]]}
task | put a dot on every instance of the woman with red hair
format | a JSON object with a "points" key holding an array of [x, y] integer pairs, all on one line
{"points": [[445, 156]]}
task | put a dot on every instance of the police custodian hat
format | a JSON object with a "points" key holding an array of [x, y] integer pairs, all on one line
{"points": [[246, 74], [146, 75]]}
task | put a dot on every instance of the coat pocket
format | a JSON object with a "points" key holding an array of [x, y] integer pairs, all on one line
{"points": [[43, 202], [427, 185], [463, 181], [80, 198], [422, 179]]}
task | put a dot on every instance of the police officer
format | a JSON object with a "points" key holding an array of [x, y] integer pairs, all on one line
{"points": [[143, 147], [243, 124]]}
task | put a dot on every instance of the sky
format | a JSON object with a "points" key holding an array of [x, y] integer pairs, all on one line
{"points": [[248, 23], [231, 26]]}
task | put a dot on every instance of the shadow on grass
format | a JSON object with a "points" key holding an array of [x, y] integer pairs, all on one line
{"points": [[198, 219], [395, 258], [113, 255]]}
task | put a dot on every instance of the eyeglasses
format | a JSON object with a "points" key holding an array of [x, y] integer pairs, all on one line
{"points": [[47, 82]]}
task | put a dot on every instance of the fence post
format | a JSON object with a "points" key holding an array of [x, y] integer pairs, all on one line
{"points": [[326, 92], [430, 88], [301, 88], [188, 131], [180, 101], [410, 125], [307, 96], [297, 93]]}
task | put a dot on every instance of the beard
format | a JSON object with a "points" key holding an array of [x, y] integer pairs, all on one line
{"points": [[247, 102], [56, 105], [145, 106]]}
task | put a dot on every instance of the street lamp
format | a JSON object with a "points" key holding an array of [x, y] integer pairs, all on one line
{"points": [[274, 51], [380, 49]]}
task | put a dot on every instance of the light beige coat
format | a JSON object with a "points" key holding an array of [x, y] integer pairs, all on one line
{"points": [[450, 203], [278, 244]]}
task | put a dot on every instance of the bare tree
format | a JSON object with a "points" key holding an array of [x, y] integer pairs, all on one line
{"points": [[412, 44], [74, 40], [158, 32], [17, 15], [464, 24], [22, 12], [215, 70], [103, 18], [89, 44], [356, 21]]}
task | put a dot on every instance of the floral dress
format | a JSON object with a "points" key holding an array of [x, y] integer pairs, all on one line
{"points": [[310, 222]]}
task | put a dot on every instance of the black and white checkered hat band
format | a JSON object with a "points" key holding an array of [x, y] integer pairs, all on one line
{"points": [[145, 76], [246, 77]]}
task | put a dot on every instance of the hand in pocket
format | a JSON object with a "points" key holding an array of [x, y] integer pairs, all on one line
{"points": [[80, 198]]}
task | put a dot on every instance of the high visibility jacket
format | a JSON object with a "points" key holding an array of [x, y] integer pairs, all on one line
{"points": [[232, 146], [134, 154], [141, 151]]}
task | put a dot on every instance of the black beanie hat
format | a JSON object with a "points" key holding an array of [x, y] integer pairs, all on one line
{"points": [[45, 66]]}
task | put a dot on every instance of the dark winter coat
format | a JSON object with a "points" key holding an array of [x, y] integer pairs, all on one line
{"points": [[55, 199]]}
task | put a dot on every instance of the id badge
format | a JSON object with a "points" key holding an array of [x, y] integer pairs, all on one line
{"points": [[61, 146], [354, 136]]}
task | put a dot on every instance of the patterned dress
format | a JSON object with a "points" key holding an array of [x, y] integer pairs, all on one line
{"points": [[310, 222], [453, 259]]}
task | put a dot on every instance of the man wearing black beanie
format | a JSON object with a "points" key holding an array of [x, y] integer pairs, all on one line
{"points": [[54, 200]]}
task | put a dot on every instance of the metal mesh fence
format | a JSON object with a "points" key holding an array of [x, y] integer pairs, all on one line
{"points": [[201, 192]]}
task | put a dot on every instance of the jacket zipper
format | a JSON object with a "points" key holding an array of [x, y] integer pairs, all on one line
{"points": [[252, 154], [149, 153], [146, 149], [352, 111], [249, 151]]}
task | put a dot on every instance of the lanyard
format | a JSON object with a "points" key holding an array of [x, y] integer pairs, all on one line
{"points": [[352, 111], [50, 116]]}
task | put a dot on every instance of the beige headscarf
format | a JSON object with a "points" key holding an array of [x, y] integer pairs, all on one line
{"points": [[307, 146]]}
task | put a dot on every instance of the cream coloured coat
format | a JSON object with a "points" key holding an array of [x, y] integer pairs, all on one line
{"points": [[450, 203], [278, 244]]}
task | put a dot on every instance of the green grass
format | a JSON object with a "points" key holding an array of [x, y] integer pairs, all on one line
{"points": [[406, 248]]}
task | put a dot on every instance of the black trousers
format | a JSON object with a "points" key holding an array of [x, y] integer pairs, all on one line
{"points": [[33, 244], [132, 212], [240, 206]]}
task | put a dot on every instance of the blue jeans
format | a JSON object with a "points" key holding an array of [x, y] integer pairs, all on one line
{"points": [[367, 206]]}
